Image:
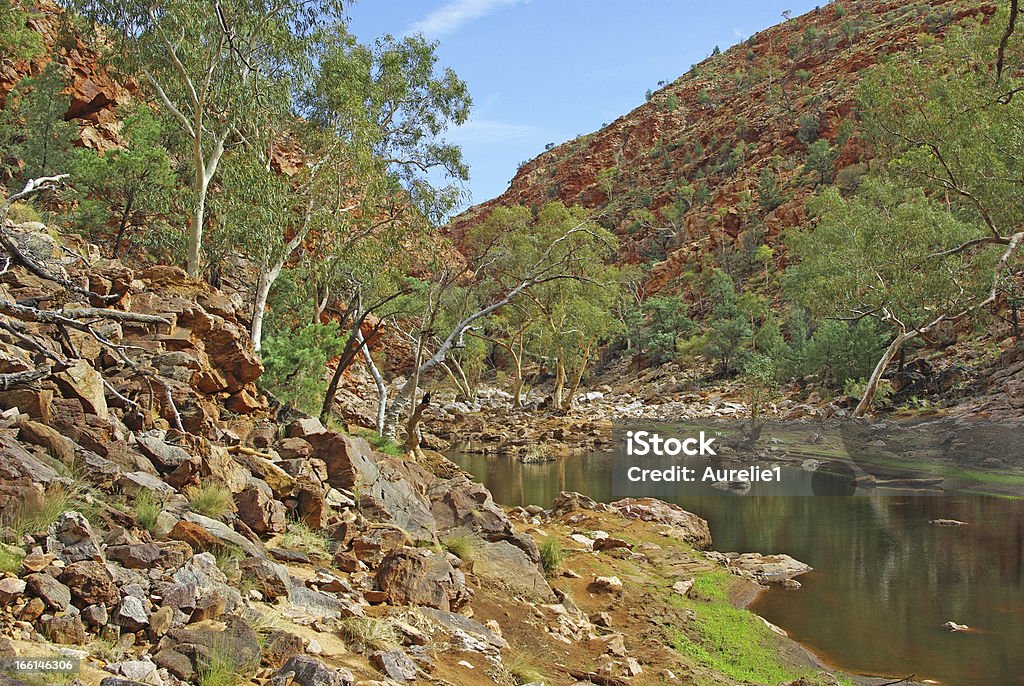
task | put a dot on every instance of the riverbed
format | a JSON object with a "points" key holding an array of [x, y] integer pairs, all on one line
{"points": [[885, 580]]}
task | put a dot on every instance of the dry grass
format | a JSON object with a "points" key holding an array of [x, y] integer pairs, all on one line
{"points": [[211, 499]]}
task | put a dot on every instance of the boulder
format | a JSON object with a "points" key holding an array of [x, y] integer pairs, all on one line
{"points": [[11, 590], [684, 526], [269, 578], [507, 566], [131, 614], [65, 629], [394, 664], [767, 569], [71, 539], [84, 383], [302, 670], [164, 456], [138, 556], [279, 647], [53, 593], [91, 583], [419, 576], [259, 510]]}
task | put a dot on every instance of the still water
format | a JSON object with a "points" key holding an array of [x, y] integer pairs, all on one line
{"points": [[885, 580]]}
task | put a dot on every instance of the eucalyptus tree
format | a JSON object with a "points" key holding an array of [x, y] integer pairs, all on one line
{"points": [[932, 243], [221, 69], [565, 318]]}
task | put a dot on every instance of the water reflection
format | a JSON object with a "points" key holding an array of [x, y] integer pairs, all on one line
{"points": [[885, 581]]}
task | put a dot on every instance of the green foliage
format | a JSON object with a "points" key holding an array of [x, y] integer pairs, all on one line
{"points": [[875, 254], [808, 128], [294, 362], [10, 560], [838, 351], [147, 509], [17, 41], [211, 499], [665, 319], [127, 188], [820, 164], [552, 555], [729, 330], [769, 191], [32, 127]]}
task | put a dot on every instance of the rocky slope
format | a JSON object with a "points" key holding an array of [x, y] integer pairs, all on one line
{"points": [[680, 178], [162, 525]]}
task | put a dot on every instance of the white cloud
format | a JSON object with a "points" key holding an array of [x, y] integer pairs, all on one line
{"points": [[477, 131], [452, 16]]}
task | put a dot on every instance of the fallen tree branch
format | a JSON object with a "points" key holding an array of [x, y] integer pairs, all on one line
{"points": [[9, 381], [113, 315], [904, 680], [34, 186]]}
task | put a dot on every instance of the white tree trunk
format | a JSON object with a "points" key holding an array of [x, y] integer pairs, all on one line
{"points": [[378, 379], [876, 375], [263, 286]]}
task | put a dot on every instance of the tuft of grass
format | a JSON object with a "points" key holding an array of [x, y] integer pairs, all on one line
{"points": [[37, 514], [521, 668], [466, 548], [10, 560], [147, 509], [210, 499], [299, 536], [369, 633], [227, 557], [551, 555], [218, 669], [107, 649]]}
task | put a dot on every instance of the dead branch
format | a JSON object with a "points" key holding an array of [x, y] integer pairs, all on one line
{"points": [[32, 187], [9, 381], [905, 679]]}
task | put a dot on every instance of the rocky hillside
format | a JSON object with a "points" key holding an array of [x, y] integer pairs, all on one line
{"points": [[160, 524], [714, 163]]}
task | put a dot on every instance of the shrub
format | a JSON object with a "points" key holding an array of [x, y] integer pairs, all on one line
{"points": [[218, 667], [665, 319], [294, 362], [37, 514], [521, 668], [551, 555], [808, 128], [210, 499]]}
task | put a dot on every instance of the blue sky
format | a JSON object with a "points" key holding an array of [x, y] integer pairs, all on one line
{"points": [[545, 71]]}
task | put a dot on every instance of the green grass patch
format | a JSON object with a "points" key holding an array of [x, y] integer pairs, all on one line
{"points": [[729, 640], [552, 555], [10, 560], [382, 444]]}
